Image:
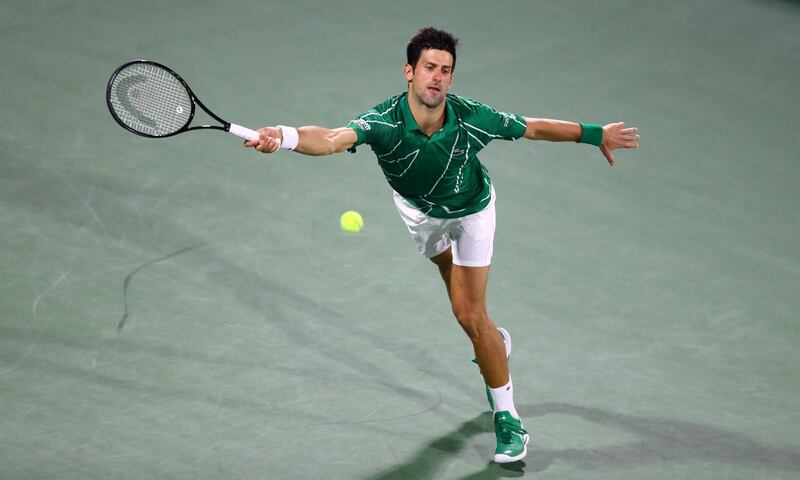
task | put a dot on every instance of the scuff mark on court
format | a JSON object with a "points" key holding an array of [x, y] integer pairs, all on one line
{"points": [[126, 283]]}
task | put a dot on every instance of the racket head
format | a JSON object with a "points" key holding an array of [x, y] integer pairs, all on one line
{"points": [[150, 99]]}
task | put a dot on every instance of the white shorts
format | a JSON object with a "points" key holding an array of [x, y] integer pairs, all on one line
{"points": [[472, 236]]}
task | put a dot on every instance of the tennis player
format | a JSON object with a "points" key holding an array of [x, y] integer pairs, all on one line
{"points": [[426, 141]]}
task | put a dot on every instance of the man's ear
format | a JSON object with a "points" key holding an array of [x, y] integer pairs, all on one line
{"points": [[408, 72]]}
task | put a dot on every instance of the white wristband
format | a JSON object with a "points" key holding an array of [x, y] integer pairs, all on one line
{"points": [[290, 137]]}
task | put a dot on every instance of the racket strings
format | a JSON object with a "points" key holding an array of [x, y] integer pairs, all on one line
{"points": [[150, 100]]}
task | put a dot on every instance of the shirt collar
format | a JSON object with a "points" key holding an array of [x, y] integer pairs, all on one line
{"points": [[450, 121]]}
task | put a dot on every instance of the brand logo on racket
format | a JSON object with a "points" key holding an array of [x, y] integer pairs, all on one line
{"points": [[127, 92]]}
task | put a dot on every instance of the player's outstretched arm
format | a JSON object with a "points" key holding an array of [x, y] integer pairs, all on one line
{"points": [[612, 136], [310, 140]]}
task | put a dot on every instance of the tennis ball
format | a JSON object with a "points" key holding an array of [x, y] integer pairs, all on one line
{"points": [[351, 221]]}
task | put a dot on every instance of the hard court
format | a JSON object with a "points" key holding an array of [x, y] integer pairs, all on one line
{"points": [[653, 306]]}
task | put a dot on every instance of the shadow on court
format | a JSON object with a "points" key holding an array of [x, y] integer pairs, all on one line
{"points": [[431, 458], [660, 440]]}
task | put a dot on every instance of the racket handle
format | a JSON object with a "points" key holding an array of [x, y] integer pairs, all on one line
{"points": [[243, 132]]}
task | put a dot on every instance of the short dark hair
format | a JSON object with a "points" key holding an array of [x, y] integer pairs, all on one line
{"points": [[430, 38]]}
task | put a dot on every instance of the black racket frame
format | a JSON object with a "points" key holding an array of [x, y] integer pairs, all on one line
{"points": [[194, 101]]}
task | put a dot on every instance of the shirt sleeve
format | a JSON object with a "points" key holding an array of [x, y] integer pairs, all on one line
{"points": [[376, 124], [363, 129], [488, 124]]}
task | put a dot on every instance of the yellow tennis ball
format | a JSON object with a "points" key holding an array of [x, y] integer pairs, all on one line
{"points": [[351, 221]]}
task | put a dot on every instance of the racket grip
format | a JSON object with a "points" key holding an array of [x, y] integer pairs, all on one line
{"points": [[243, 132]]}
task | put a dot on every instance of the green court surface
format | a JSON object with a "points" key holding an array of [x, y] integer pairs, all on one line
{"points": [[653, 305]]}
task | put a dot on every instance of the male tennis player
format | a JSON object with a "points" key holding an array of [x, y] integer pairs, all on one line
{"points": [[427, 141]]}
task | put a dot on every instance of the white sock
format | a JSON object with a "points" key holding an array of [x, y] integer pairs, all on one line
{"points": [[503, 398]]}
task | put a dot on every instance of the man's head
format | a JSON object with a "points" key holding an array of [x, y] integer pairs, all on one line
{"points": [[431, 57], [430, 38]]}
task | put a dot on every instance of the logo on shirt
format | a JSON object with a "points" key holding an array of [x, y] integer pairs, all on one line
{"points": [[362, 124], [507, 119], [458, 152]]}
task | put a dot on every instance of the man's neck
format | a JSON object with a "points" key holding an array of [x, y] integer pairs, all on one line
{"points": [[430, 120]]}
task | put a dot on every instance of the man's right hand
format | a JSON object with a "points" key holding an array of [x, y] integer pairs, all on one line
{"points": [[269, 141]]}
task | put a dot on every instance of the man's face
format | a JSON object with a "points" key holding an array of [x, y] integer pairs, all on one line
{"points": [[431, 77]]}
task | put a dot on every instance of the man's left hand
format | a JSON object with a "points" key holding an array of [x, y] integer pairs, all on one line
{"points": [[616, 136]]}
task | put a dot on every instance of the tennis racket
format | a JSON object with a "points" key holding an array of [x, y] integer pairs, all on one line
{"points": [[151, 100]]}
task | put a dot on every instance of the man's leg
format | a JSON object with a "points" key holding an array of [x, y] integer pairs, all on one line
{"points": [[466, 287], [444, 261], [468, 298]]}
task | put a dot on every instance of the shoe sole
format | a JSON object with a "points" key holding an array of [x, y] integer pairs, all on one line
{"points": [[506, 340], [500, 458]]}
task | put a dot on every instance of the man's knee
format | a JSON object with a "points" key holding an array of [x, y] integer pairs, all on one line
{"points": [[472, 318]]}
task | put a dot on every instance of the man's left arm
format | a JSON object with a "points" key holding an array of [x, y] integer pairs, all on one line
{"points": [[608, 137]]}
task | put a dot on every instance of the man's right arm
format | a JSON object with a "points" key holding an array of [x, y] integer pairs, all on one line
{"points": [[312, 140]]}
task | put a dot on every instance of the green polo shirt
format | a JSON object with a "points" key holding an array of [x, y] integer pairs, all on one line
{"points": [[441, 174]]}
